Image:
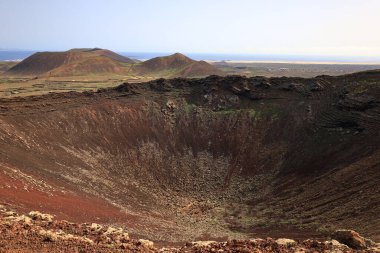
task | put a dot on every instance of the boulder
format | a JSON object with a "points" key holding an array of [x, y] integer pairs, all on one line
{"points": [[202, 243], [35, 215], [286, 242], [257, 241], [96, 227], [10, 214], [337, 244], [87, 240], [146, 243], [171, 105], [113, 231], [316, 86], [350, 238], [24, 219], [301, 250], [48, 236]]}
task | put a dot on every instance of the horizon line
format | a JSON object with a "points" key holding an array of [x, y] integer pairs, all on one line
{"points": [[194, 52]]}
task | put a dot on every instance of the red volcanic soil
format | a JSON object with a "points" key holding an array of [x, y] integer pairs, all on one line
{"points": [[77, 207], [218, 157]]}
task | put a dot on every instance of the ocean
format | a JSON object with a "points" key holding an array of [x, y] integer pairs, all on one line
{"points": [[7, 55]]}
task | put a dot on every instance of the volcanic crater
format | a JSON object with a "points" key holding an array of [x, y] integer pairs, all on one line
{"points": [[179, 159]]}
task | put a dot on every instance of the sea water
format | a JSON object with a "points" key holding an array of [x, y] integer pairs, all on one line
{"points": [[8, 55]]}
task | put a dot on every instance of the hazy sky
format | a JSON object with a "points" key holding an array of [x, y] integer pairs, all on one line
{"points": [[309, 27]]}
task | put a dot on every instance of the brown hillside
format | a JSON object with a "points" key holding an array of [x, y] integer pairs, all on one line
{"points": [[72, 62], [198, 69], [176, 60], [43, 62], [176, 65], [90, 65]]}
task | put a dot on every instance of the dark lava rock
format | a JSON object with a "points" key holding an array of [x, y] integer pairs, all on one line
{"points": [[350, 238]]}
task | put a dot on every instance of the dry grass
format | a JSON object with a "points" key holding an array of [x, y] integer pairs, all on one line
{"points": [[27, 86]]}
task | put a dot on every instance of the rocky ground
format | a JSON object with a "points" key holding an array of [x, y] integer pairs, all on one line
{"points": [[38, 232]]}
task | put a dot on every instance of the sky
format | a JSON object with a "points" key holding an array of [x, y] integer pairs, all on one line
{"points": [[286, 27]]}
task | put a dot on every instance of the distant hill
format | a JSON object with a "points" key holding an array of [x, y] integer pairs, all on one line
{"points": [[72, 62], [175, 65], [85, 61]]}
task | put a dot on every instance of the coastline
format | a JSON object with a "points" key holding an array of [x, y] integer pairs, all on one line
{"points": [[294, 62]]}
